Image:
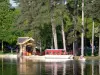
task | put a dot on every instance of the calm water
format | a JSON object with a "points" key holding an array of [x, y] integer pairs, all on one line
{"points": [[29, 67]]}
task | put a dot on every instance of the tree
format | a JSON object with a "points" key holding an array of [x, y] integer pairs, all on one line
{"points": [[93, 11], [74, 10], [34, 18], [7, 18], [99, 41], [82, 36], [37, 14]]}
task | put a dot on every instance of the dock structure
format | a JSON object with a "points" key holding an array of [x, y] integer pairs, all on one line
{"points": [[26, 46]]}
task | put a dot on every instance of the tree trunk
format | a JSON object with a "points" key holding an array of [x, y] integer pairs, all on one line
{"points": [[52, 43], [99, 41], [74, 25], [93, 39], [63, 35], [2, 46], [40, 48], [54, 35], [82, 35], [74, 36]]}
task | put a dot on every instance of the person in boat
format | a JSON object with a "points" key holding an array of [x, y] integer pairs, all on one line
{"points": [[63, 52], [81, 57]]}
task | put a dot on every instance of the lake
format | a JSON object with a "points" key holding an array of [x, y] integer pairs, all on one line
{"points": [[30, 67]]}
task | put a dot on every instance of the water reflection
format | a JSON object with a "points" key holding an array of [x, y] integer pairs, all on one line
{"points": [[82, 67], [99, 67], [92, 67], [28, 67], [23, 66], [8, 67], [59, 68], [2, 66], [64, 69]]}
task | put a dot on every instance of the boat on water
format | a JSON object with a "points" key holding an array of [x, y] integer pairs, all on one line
{"points": [[51, 55], [57, 55], [58, 58], [27, 50]]}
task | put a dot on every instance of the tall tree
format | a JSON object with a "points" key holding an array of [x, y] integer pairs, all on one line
{"points": [[73, 7], [53, 5], [93, 38], [35, 17], [7, 18], [82, 35], [99, 40], [38, 14], [93, 12]]}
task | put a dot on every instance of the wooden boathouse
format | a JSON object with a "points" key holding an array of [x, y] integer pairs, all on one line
{"points": [[26, 46]]}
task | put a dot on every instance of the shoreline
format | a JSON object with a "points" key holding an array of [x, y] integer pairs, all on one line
{"points": [[41, 57], [88, 57], [8, 55]]}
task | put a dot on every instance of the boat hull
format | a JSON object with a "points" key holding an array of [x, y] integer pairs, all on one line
{"points": [[58, 58]]}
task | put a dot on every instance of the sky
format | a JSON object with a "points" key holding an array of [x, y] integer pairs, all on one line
{"points": [[12, 3]]}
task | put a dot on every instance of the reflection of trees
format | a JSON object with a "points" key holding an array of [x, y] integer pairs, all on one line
{"points": [[88, 69], [82, 68], [27, 67], [75, 68], [92, 67], [62, 68], [2, 66], [95, 67], [55, 68], [7, 66], [99, 67]]}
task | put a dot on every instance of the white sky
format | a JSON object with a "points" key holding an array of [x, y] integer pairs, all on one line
{"points": [[12, 3]]}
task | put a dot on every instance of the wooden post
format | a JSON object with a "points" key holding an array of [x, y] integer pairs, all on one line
{"points": [[20, 52]]}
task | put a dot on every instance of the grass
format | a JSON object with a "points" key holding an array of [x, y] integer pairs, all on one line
{"points": [[1, 52], [88, 57], [7, 53]]}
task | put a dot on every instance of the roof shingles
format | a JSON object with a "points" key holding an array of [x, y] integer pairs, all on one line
{"points": [[21, 40]]}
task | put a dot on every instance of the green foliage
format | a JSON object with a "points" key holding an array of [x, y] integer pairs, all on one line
{"points": [[92, 8], [36, 17], [7, 18], [92, 12], [34, 20]]}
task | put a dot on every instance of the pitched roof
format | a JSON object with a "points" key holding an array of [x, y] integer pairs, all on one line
{"points": [[22, 40]]}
